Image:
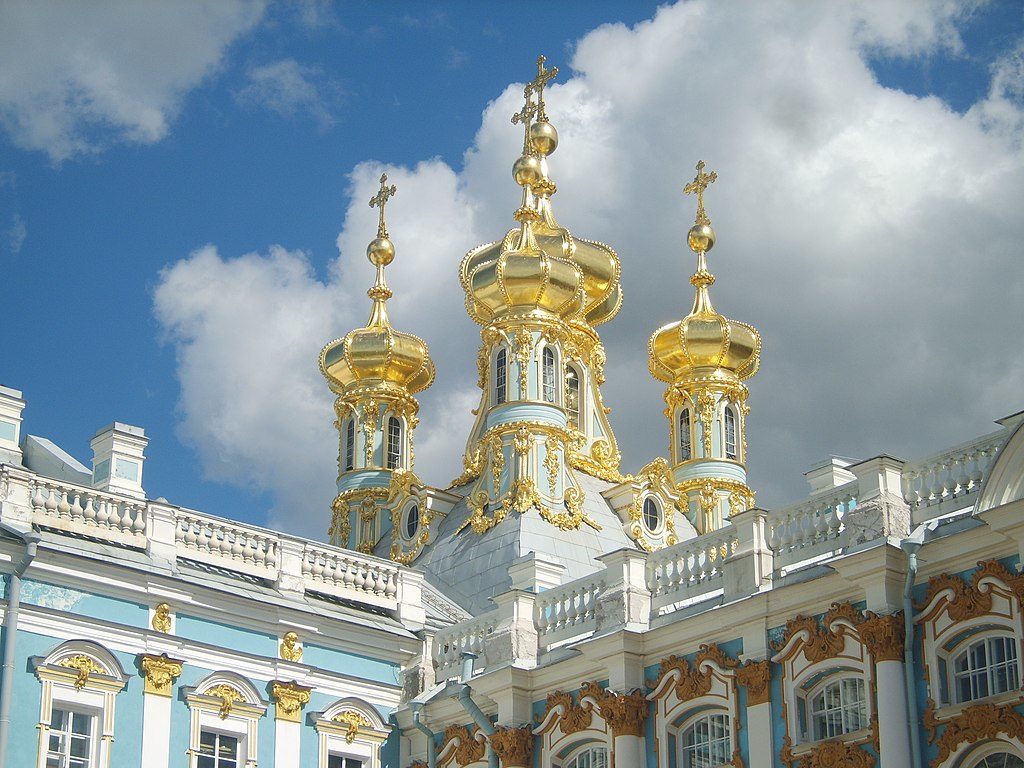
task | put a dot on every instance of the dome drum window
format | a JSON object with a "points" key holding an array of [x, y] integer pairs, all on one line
{"points": [[572, 396], [500, 377], [548, 375], [394, 457], [350, 444], [685, 436], [729, 429]]}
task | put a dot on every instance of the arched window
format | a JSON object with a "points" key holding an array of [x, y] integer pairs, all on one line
{"points": [[500, 377], [999, 760], [838, 708], [591, 757], [685, 441], [548, 375], [350, 444], [652, 515], [394, 442], [572, 396], [985, 668], [730, 433], [412, 521], [707, 742]]}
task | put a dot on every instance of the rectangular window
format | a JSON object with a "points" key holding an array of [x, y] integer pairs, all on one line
{"points": [[217, 750], [71, 739], [337, 761], [350, 444]]}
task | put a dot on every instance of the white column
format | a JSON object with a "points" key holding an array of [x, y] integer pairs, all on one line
{"points": [[286, 744], [156, 730], [759, 735], [629, 750], [893, 736]]}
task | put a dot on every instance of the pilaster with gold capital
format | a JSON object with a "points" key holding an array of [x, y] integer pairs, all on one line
{"points": [[289, 699], [160, 672]]}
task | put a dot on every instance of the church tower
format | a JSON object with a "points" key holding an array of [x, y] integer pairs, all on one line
{"points": [[705, 358], [375, 371], [538, 294]]}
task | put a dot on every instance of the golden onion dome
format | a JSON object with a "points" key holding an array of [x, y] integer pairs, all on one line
{"points": [[540, 267], [377, 356], [704, 343]]}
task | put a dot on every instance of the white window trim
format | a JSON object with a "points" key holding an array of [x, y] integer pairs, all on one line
{"points": [[729, 407], [92, 692], [556, 366], [241, 719], [402, 440], [494, 376], [587, 746], [809, 695], [581, 398], [336, 737], [676, 730], [950, 656], [968, 754]]}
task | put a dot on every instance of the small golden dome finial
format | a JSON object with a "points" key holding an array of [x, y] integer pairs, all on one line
{"points": [[381, 251], [701, 236]]}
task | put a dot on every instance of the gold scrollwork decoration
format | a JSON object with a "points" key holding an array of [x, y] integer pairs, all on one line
{"points": [[353, 721], [84, 665]]}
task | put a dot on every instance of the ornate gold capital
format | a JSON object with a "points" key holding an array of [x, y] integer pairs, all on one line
{"points": [[514, 746], [756, 677], [883, 635], [160, 673], [289, 699], [625, 713], [162, 618]]}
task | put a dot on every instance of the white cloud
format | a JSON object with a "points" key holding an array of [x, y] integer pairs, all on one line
{"points": [[872, 236], [16, 233], [74, 77], [288, 88]]}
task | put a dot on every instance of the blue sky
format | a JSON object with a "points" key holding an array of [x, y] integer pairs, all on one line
{"points": [[272, 141]]}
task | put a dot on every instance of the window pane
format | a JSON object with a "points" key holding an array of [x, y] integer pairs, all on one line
{"points": [[205, 762], [81, 723]]}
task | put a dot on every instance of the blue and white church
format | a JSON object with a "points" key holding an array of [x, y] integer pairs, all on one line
{"points": [[544, 609]]}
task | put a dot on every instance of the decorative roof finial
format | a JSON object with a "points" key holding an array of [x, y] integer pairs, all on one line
{"points": [[544, 76], [525, 116], [701, 236], [380, 200]]}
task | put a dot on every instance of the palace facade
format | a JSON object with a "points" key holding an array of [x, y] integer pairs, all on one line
{"points": [[543, 610]]}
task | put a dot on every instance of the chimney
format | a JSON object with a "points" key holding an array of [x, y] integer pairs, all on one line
{"points": [[11, 407], [117, 458]]}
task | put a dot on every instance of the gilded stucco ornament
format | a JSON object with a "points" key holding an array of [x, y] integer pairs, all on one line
{"points": [[289, 699], [160, 673], [654, 478], [468, 749], [228, 695], [756, 677], [883, 635], [353, 722], [162, 618], [514, 746], [290, 648], [84, 666], [575, 716]]}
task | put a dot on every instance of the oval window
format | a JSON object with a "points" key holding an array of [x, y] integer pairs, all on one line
{"points": [[412, 521], [652, 515]]}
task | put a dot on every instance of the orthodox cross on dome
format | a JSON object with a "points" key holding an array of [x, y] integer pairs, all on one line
{"points": [[525, 116], [380, 200], [700, 183], [544, 76]]}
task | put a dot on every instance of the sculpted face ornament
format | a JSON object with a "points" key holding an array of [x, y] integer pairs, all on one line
{"points": [[290, 649]]}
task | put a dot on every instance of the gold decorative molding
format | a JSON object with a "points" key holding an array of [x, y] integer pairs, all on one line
{"points": [[929, 720], [837, 754], [514, 746], [228, 695], [289, 699], [969, 599], [575, 716], [822, 641], [469, 750], [162, 618], [692, 681], [756, 677], [353, 721], [160, 672], [625, 713], [290, 648], [84, 665], [974, 724], [883, 636]]}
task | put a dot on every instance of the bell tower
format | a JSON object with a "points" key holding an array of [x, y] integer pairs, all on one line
{"points": [[705, 358]]}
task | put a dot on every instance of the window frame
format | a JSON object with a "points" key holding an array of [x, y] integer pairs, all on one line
{"points": [[350, 444], [92, 743], [406, 517], [241, 720], [394, 448], [818, 690], [571, 760], [964, 647], [684, 435], [655, 502], [730, 417], [691, 722], [240, 747], [500, 388], [548, 375], [335, 738], [574, 373]]}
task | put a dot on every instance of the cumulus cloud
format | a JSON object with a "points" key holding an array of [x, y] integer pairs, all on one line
{"points": [[871, 235], [289, 88], [75, 77]]}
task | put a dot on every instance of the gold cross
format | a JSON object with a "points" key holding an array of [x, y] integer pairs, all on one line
{"points": [[700, 183], [525, 116], [380, 200], [544, 76]]}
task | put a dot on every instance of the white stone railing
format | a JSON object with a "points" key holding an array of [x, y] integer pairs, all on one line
{"points": [[950, 480], [465, 637], [810, 528], [569, 610], [226, 544], [172, 533], [342, 573], [689, 569], [83, 511]]}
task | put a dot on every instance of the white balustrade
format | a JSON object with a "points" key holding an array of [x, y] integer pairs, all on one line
{"points": [[346, 574], [465, 637], [949, 481], [689, 569], [569, 610], [811, 528], [229, 545], [78, 510]]}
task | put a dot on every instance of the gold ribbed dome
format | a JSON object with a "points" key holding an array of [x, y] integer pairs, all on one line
{"points": [[704, 343], [378, 356], [540, 267]]}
